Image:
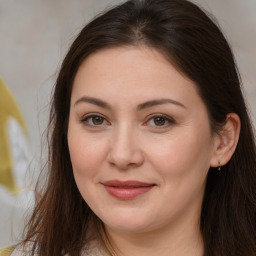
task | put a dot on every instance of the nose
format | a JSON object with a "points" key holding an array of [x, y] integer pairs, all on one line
{"points": [[125, 149]]}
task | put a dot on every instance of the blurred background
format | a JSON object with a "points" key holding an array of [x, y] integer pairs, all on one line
{"points": [[34, 37]]}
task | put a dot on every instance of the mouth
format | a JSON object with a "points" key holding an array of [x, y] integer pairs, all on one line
{"points": [[127, 190]]}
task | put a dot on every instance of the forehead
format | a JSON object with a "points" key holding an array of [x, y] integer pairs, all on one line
{"points": [[130, 69]]}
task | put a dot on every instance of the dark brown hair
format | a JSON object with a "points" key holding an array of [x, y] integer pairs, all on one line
{"points": [[190, 40]]}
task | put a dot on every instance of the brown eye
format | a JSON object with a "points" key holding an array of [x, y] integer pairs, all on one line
{"points": [[94, 120], [159, 121], [97, 120]]}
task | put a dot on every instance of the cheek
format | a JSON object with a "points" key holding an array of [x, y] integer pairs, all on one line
{"points": [[86, 154], [182, 164], [181, 156]]}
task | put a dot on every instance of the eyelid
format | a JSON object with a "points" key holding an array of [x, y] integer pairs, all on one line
{"points": [[91, 115], [169, 119]]}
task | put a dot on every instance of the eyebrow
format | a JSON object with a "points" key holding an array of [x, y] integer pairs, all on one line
{"points": [[93, 101], [141, 106], [157, 102]]}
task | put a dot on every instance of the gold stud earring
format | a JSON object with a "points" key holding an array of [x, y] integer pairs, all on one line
{"points": [[219, 168]]}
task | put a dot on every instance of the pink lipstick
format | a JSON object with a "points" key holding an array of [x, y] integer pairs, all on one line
{"points": [[127, 190]]}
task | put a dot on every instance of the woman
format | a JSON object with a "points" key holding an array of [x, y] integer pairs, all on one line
{"points": [[151, 148]]}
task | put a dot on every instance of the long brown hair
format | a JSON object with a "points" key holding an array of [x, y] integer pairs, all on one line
{"points": [[189, 39]]}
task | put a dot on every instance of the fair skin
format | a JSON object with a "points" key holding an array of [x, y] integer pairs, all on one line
{"points": [[135, 120]]}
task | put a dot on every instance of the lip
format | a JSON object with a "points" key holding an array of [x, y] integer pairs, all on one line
{"points": [[127, 190]]}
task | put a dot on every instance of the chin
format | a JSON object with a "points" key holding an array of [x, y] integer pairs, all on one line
{"points": [[128, 223]]}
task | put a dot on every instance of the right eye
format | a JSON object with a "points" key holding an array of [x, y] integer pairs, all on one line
{"points": [[94, 120]]}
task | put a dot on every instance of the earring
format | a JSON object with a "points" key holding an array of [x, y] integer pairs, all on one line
{"points": [[219, 168]]}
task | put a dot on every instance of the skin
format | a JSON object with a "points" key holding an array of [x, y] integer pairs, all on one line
{"points": [[121, 139]]}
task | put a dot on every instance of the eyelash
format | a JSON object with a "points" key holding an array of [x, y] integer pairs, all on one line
{"points": [[167, 120], [85, 120]]}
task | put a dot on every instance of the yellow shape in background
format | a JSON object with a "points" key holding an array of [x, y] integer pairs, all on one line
{"points": [[8, 108]]}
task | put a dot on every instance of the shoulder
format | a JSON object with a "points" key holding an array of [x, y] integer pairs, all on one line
{"points": [[21, 251], [93, 248]]}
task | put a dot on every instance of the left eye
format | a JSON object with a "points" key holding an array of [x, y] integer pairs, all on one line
{"points": [[160, 121]]}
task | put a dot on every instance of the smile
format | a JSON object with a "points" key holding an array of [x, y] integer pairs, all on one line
{"points": [[127, 190]]}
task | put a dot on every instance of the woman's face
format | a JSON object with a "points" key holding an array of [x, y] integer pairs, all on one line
{"points": [[139, 140]]}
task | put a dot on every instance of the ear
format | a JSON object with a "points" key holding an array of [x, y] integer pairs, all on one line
{"points": [[226, 140]]}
